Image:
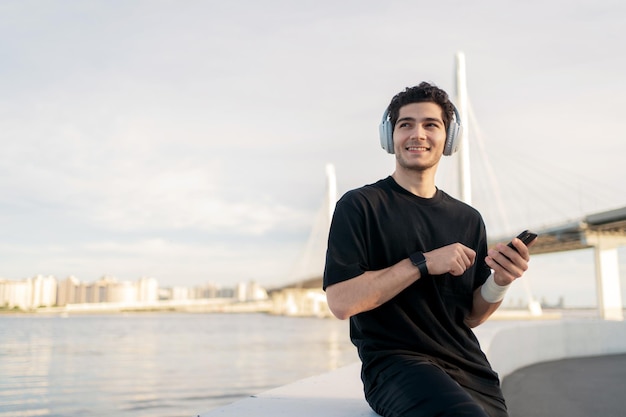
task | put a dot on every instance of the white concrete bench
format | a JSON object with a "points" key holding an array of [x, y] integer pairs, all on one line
{"points": [[335, 394], [508, 345]]}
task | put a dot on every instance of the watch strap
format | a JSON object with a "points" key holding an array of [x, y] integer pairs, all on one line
{"points": [[419, 260]]}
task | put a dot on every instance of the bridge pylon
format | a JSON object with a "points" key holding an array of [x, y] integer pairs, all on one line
{"points": [[608, 286]]}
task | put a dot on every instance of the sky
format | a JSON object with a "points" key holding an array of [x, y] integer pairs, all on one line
{"points": [[187, 140]]}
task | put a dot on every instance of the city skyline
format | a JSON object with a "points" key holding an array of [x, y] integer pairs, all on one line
{"points": [[31, 294]]}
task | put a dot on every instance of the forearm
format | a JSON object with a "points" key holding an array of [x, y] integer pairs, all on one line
{"points": [[486, 300], [481, 310], [507, 264], [370, 289]]}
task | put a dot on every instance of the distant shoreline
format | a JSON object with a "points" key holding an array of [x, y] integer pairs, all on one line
{"points": [[165, 306], [265, 307]]}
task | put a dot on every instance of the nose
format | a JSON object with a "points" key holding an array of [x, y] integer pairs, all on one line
{"points": [[418, 132]]}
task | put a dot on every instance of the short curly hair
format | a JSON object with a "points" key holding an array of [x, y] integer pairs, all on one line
{"points": [[424, 92]]}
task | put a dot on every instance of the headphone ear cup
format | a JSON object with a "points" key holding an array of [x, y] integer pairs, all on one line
{"points": [[453, 136], [385, 131], [452, 139]]}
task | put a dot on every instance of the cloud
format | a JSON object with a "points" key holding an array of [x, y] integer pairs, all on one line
{"points": [[188, 199], [170, 262], [211, 123]]}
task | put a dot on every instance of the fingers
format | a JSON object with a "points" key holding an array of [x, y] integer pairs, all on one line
{"points": [[521, 248], [511, 262], [465, 258], [454, 259]]}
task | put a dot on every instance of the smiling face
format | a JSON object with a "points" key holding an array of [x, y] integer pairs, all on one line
{"points": [[419, 136]]}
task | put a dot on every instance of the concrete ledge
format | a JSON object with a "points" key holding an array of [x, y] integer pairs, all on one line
{"points": [[508, 345], [334, 394], [517, 346]]}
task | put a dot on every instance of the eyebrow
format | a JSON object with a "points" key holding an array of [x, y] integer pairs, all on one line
{"points": [[412, 119], [405, 119]]}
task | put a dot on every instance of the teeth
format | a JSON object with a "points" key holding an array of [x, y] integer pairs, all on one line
{"points": [[417, 148]]}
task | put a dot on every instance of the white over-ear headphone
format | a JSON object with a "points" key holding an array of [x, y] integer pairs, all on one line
{"points": [[452, 137]]}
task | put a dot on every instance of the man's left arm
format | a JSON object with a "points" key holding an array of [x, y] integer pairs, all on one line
{"points": [[507, 265]]}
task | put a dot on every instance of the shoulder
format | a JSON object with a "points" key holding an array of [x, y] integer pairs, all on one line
{"points": [[367, 194], [459, 205]]}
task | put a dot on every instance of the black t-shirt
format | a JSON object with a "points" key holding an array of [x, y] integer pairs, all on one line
{"points": [[377, 226]]}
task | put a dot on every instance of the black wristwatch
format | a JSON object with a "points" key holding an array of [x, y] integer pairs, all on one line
{"points": [[418, 259]]}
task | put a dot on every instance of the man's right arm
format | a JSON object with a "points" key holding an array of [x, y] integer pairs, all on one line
{"points": [[374, 288], [370, 289]]}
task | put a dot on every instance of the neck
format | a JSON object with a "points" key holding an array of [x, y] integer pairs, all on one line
{"points": [[420, 183]]}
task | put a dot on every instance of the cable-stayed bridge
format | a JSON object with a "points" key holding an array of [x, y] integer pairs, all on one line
{"points": [[308, 268], [603, 231]]}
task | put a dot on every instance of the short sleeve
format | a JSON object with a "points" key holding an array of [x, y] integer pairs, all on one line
{"points": [[346, 254]]}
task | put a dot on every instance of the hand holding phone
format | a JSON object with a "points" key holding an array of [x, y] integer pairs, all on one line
{"points": [[526, 237], [493, 293]]}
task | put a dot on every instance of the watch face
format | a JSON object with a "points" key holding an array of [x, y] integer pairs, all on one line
{"points": [[417, 258]]}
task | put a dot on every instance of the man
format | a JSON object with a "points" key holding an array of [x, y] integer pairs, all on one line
{"points": [[409, 265]]}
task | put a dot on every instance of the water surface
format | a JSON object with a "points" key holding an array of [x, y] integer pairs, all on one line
{"points": [[157, 364]]}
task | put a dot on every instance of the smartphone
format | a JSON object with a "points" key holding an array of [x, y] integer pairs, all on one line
{"points": [[525, 237]]}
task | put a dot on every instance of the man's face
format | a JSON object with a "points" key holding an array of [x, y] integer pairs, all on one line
{"points": [[419, 136]]}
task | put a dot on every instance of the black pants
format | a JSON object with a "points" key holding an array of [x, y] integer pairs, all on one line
{"points": [[410, 388]]}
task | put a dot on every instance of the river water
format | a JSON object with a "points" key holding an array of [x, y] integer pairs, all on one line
{"points": [[157, 364]]}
